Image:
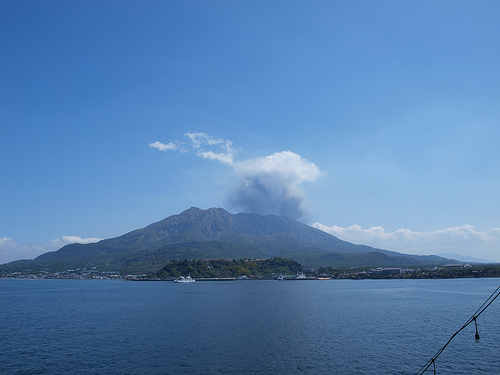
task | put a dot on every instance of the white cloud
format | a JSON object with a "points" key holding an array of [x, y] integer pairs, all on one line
{"points": [[4, 241], [76, 239], [199, 139], [64, 240], [204, 145], [202, 141], [463, 240], [222, 157], [162, 146], [10, 250], [495, 232]]}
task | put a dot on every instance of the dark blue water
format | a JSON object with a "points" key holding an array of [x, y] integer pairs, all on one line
{"points": [[246, 327]]}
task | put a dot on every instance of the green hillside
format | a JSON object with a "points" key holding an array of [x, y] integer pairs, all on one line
{"points": [[217, 234], [229, 268]]}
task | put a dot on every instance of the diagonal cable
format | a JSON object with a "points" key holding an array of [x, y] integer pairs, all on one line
{"points": [[473, 318]]}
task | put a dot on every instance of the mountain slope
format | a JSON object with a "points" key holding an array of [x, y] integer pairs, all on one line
{"points": [[215, 233], [215, 224]]}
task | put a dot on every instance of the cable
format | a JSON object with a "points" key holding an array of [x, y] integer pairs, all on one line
{"points": [[473, 318]]}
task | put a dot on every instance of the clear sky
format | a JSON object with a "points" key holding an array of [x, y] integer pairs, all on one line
{"points": [[377, 121]]}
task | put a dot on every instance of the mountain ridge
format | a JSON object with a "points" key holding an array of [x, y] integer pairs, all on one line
{"points": [[216, 233]]}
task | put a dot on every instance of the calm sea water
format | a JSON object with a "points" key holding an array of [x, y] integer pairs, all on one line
{"points": [[245, 327]]}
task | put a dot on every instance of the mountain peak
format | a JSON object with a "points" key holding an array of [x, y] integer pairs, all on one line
{"points": [[198, 211], [215, 233]]}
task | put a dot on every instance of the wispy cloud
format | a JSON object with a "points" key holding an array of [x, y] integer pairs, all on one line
{"points": [[162, 146], [203, 145], [4, 241], [267, 185], [201, 142], [463, 240], [202, 139], [222, 157]]}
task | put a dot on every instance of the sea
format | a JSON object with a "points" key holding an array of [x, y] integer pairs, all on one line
{"points": [[259, 327]]}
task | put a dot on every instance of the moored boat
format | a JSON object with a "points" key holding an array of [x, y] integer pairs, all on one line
{"points": [[182, 279]]}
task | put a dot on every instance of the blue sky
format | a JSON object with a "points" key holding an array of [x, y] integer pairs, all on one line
{"points": [[376, 121]]}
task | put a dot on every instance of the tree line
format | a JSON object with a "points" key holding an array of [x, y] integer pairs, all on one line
{"points": [[220, 268]]}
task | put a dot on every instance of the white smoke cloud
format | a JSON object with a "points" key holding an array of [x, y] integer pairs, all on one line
{"points": [[268, 185], [272, 184], [463, 240]]}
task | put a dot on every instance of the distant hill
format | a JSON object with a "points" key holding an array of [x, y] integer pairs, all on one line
{"points": [[217, 234], [226, 268], [464, 258]]}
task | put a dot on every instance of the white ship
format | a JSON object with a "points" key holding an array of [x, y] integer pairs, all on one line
{"points": [[182, 279]]}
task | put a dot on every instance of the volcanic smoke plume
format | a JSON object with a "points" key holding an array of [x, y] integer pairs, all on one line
{"points": [[271, 185], [268, 185]]}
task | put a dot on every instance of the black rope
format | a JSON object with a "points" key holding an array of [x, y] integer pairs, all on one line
{"points": [[473, 318]]}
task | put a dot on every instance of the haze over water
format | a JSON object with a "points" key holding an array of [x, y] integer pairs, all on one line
{"points": [[251, 327]]}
